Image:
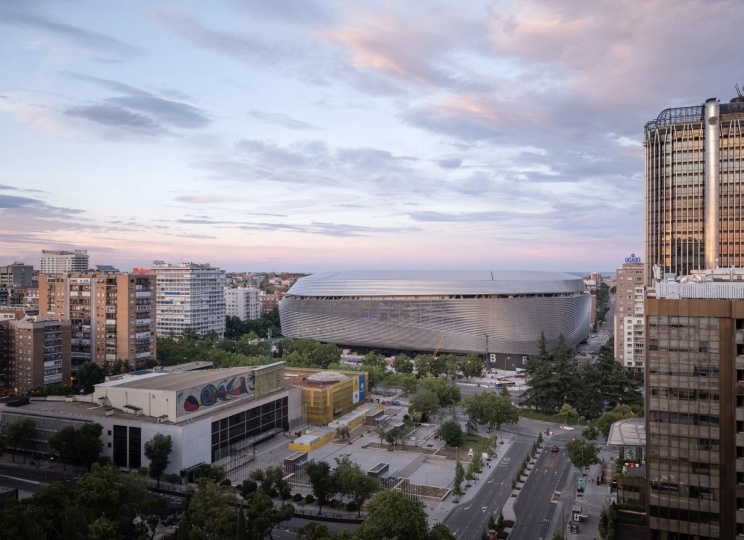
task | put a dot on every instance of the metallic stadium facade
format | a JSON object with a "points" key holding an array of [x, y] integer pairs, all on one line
{"points": [[499, 312]]}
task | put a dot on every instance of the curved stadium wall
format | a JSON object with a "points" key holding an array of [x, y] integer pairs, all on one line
{"points": [[502, 312]]}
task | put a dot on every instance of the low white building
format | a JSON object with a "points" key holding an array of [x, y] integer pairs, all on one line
{"points": [[243, 303], [212, 416]]}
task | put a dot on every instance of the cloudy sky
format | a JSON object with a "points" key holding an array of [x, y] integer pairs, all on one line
{"points": [[304, 135]]}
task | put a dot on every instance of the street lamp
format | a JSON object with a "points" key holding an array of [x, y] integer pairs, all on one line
{"points": [[485, 353], [51, 458]]}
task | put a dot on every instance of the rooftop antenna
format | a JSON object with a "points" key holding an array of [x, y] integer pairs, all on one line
{"points": [[738, 90]]}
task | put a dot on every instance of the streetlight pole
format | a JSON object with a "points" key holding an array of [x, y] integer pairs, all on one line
{"points": [[485, 354]]}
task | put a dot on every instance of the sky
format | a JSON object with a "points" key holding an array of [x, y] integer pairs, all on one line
{"points": [[305, 136]]}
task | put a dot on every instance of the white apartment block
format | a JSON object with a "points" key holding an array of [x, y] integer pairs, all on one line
{"points": [[189, 295], [243, 303], [62, 262], [629, 320]]}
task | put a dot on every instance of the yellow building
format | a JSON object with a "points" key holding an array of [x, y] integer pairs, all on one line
{"points": [[327, 395]]}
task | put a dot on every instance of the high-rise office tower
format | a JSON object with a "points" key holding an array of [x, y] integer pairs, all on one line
{"points": [[190, 295], [695, 325], [61, 262], [112, 315], [629, 321], [695, 188], [243, 303]]}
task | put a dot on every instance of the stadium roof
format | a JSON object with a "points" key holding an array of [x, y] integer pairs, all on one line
{"points": [[427, 282]]}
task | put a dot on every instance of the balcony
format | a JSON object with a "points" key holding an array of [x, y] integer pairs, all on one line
{"points": [[51, 379], [143, 294], [110, 309], [141, 355], [78, 341], [141, 309], [111, 358], [110, 322], [740, 362], [143, 322]]}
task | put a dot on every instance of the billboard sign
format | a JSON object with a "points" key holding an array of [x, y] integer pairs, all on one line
{"points": [[198, 398]]}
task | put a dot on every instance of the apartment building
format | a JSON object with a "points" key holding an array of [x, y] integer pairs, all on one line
{"points": [[36, 352], [16, 275], [243, 303], [112, 315], [62, 262], [629, 321], [190, 295]]}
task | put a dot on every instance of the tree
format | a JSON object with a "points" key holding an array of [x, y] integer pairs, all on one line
{"points": [[403, 364], [88, 375], [319, 474], [582, 453], [590, 432], [215, 473], [313, 531], [459, 477], [393, 515], [451, 432], [539, 377], [381, 428], [158, 450], [440, 531], [63, 443], [109, 493], [471, 366], [88, 445], [20, 433], [263, 517], [448, 394], [567, 412], [408, 384], [209, 512], [426, 402], [352, 481]]}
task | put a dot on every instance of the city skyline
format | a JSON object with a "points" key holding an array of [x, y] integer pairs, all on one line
{"points": [[311, 136]]}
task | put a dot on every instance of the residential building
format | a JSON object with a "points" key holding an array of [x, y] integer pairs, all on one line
{"points": [[62, 262], [112, 315], [243, 303], [190, 295], [629, 321], [694, 194], [36, 353], [16, 275], [695, 406]]}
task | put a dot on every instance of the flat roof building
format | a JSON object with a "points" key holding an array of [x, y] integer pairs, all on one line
{"points": [[61, 262], [212, 416]]}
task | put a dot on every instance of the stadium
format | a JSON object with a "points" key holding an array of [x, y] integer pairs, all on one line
{"points": [[501, 313]]}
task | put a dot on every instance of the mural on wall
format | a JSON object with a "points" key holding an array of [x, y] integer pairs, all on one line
{"points": [[193, 399]]}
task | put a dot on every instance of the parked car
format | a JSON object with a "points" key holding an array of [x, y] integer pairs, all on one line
{"points": [[395, 402], [554, 449]]}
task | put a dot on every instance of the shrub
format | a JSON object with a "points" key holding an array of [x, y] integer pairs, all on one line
{"points": [[352, 506], [174, 478], [226, 482], [273, 493], [297, 497], [309, 499], [451, 432]]}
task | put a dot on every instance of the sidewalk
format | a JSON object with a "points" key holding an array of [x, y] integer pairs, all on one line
{"points": [[438, 512]]}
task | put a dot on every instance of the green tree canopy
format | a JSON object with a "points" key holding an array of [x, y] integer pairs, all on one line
{"points": [[393, 515], [451, 432], [582, 453], [20, 433], [158, 450], [424, 402], [321, 481]]}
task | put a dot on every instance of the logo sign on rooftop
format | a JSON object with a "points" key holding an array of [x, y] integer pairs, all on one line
{"points": [[632, 259]]}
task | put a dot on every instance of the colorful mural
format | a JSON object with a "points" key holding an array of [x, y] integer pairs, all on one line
{"points": [[212, 394]]}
